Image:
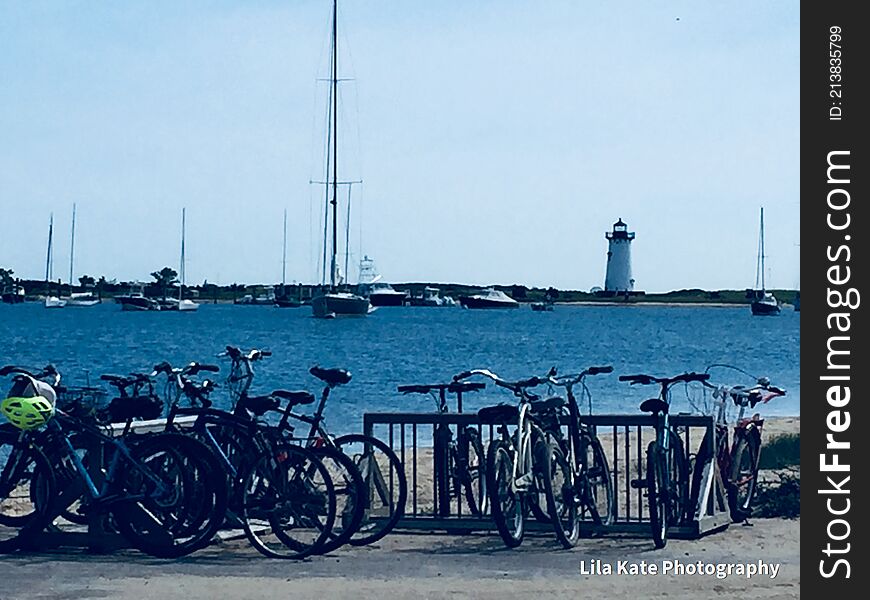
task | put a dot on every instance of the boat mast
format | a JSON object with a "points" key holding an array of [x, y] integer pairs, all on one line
{"points": [[762, 251], [284, 255], [334, 141], [72, 247], [48, 251], [181, 266]]}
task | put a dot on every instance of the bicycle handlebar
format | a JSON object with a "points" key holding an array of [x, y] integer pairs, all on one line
{"points": [[236, 354], [665, 381], [452, 387], [569, 380], [515, 386], [48, 370]]}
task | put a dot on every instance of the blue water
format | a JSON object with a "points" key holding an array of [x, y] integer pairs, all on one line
{"points": [[415, 345]]}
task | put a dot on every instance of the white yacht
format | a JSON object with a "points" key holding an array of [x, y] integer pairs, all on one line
{"points": [[488, 298]]}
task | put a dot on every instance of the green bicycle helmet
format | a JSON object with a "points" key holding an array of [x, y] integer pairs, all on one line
{"points": [[30, 403]]}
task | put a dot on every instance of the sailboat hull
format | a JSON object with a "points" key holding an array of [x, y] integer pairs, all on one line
{"points": [[339, 304], [764, 309]]}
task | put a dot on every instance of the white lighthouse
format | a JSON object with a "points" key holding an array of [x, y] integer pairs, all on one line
{"points": [[618, 277]]}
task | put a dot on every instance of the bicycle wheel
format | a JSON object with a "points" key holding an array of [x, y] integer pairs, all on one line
{"points": [[288, 503], [181, 493], [677, 479], [703, 461], [385, 483], [349, 492], [27, 491], [559, 489], [656, 496], [598, 493], [472, 473], [508, 510], [743, 477]]}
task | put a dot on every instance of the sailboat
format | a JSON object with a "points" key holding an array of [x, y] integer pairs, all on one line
{"points": [[183, 304], [77, 298], [282, 300], [331, 302], [763, 302], [50, 300]]}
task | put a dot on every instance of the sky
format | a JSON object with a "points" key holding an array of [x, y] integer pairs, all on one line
{"points": [[497, 140]]}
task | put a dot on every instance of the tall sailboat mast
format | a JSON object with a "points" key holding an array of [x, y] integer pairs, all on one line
{"points": [[762, 250], [334, 86], [181, 266], [72, 247], [48, 254], [284, 255]]}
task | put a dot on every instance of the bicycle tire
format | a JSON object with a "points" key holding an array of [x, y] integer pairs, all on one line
{"points": [[562, 502], [349, 491], [743, 478], [656, 499], [598, 482], [678, 483], [29, 480], [504, 503], [374, 529], [702, 459], [287, 488], [178, 523], [474, 474]]}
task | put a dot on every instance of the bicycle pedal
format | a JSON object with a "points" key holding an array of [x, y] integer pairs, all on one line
{"points": [[637, 484]]}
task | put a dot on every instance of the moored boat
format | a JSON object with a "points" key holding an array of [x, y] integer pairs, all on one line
{"points": [[763, 302], [488, 298]]}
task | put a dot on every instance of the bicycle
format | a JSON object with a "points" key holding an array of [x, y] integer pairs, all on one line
{"points": [[513, 470], [282, 493], [458, 462], [737, 458], [666, 466], [586, 483], [163, 492]]}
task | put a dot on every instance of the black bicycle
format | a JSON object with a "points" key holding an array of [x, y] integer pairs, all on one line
{"points": [[579, 472], [667, 469], [163, 492], [460, 462]]}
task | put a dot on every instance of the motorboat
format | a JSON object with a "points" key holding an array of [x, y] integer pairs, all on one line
{"points": [[82, 299], [136, 300], [54, 302], [488, 298]]}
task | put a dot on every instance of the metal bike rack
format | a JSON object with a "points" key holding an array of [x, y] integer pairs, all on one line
{"points": [[431, 507]]}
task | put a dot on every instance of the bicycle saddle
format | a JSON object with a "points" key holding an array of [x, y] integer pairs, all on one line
{"points": [[555, 403], [331, 376], [258, 405], [654, 406], [498, 414], [294, 397]]}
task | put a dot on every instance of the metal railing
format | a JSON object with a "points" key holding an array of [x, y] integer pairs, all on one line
{"points": [[435, 504]]}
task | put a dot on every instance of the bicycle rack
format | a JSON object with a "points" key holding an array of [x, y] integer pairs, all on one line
{"points": [[624, 438]]}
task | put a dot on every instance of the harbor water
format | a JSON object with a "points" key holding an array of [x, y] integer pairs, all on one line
{"points": [[417, 345]]}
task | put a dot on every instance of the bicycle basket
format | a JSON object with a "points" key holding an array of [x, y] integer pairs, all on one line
{"points": [[29, 404]]}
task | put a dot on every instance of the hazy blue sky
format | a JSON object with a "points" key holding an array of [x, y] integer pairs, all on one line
{"points": [[497, 140]]}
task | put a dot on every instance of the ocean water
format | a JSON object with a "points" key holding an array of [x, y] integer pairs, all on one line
{"points": [[416, 345]]}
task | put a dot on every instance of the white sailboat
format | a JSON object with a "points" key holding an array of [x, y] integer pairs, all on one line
{"points": [[51, 301], [331, 302], [183, 303], [77, 298], [763, 303]]}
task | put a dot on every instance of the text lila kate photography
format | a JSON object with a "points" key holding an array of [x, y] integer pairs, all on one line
{"points": [[677, 568]]}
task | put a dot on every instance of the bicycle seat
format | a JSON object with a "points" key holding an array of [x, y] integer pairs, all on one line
{"points": [[331, 376], [295, 397], [550, 404], [258, 405], [654, 406], [498, 414]]}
